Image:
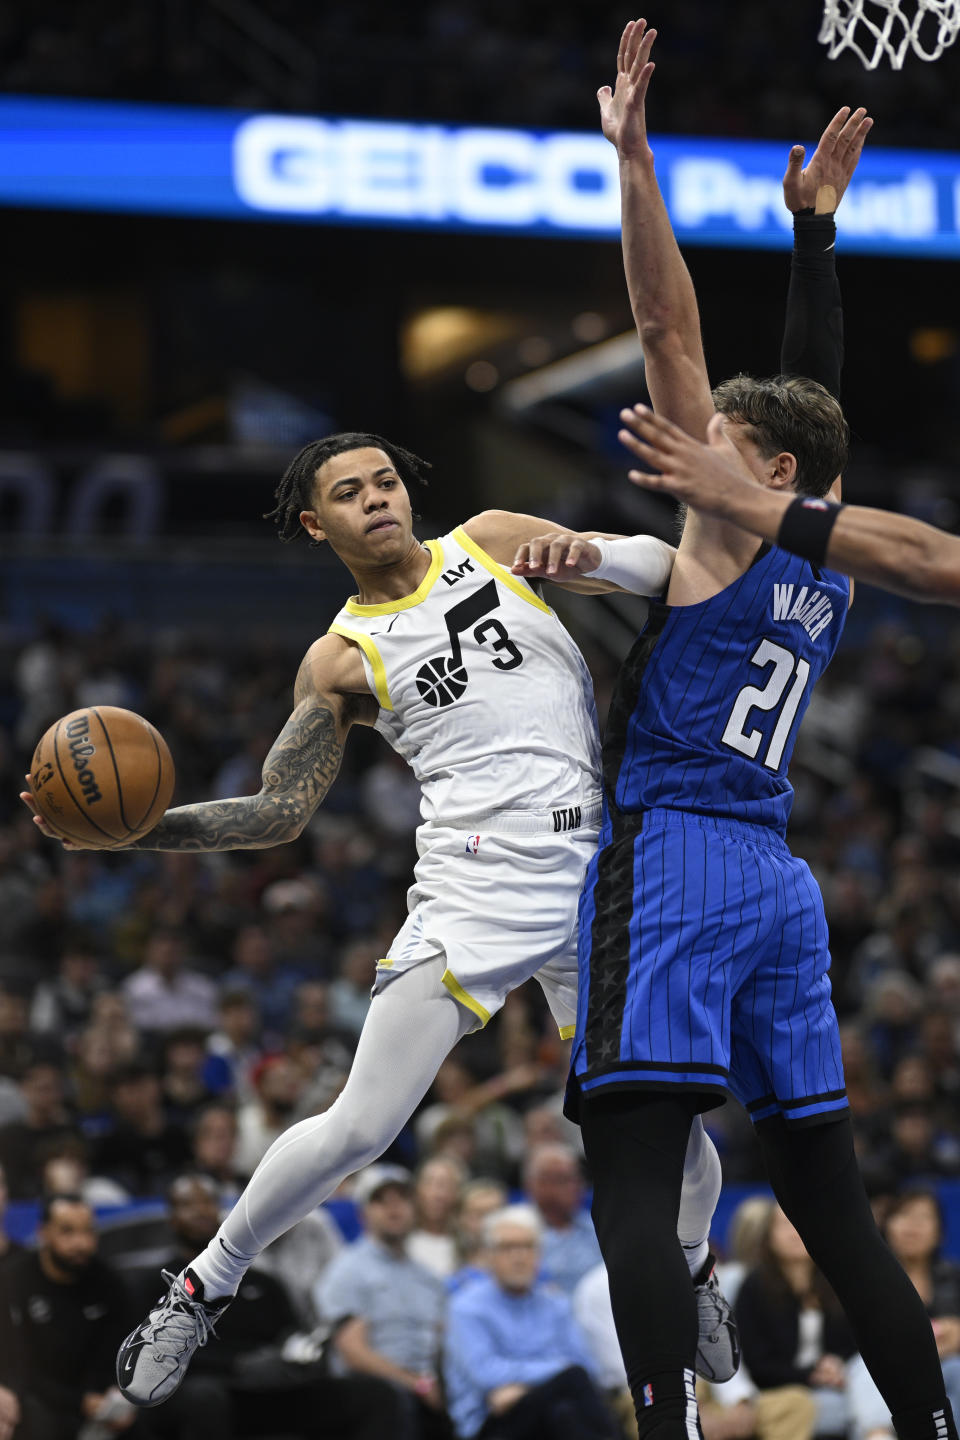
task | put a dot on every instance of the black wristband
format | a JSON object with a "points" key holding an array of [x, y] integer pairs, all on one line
{"points": [[814, 234], [806, 526]]}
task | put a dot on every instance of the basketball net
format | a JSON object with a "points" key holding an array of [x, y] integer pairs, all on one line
{"points": [[874, 28]]}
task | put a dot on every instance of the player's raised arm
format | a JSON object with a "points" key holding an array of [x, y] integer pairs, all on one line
{"points": [[813, 329], [330, 695], [892, 551], [661, 290]]}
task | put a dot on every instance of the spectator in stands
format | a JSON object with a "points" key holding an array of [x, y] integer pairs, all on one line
{"points": [[213, 1140], [497, 1130], [163, 994], [278, 1082], [350, 991], [915, 1150], [516, 1364], [61, 1007], [47, 1119], [436, 1196], [914, 1229], [182, 1081], [8, 1248], [232, 1049], [142, 1150], [295, 911], [17, 1048], [795, 1337], [387, 1311], [261, 1375], [478, 1199], [553, 1180], [66, 1171], [62, 1311], [255, 970], [102, 1050]]}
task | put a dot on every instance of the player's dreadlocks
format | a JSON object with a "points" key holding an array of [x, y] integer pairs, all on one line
{"points": [[295, 490]]}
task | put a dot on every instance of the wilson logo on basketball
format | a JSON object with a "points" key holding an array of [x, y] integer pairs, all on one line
{"points": [[81, 752]]}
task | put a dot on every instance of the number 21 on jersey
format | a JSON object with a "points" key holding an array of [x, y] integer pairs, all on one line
{"points": [[784, 687]]}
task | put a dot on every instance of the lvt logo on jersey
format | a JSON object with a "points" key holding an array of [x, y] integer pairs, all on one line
{"points": [[813, 611]]}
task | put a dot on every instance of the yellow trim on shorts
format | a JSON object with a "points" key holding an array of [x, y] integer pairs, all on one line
{"points": [[457, 991], [384, 964], [567, 1032], [512, 582], [373, 655], [404, 603]]}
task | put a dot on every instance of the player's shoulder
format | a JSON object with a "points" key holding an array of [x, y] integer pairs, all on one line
{"points": [[500, 532], [332, 665]]}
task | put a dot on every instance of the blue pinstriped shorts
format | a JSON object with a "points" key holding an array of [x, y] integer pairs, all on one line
{"points": [[703, 964]]}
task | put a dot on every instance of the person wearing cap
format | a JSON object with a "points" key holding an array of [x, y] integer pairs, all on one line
{"points": [[386, 1310]]}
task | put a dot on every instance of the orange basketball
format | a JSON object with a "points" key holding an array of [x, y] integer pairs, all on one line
{"points": [[102, 775]]}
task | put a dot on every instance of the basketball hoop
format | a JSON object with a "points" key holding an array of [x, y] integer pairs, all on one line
{"points": [[874, 28]]}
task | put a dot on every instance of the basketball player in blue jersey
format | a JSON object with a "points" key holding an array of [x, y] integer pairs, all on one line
{"points": [[703, 941]]}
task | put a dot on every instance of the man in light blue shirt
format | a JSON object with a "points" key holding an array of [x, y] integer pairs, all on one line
{"points": [[387, 1312], [515, 1363], [554, 1182]]}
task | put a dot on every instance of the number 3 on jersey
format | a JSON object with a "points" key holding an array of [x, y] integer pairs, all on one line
{"points": [[443, 680], [786, 668]]}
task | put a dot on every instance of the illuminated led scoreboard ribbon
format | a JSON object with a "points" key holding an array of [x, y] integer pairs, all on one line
{"points": [[214, 163]]}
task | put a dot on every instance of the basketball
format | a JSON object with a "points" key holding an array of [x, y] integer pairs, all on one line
{"points": [[102, 775]]}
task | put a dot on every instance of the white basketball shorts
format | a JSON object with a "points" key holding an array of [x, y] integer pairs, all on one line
{"points": [[499, 902]]}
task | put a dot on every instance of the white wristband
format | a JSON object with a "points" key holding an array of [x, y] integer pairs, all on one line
{"points": [[639, 563]]}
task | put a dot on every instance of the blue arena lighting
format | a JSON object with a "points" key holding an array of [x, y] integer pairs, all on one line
{"points": [[148, 159]]}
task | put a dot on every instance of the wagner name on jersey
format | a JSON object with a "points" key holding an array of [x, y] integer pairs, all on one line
{"points": [[480, 688]]}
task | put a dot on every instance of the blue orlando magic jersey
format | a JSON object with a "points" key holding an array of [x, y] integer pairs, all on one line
{"points": [[709, 700]]}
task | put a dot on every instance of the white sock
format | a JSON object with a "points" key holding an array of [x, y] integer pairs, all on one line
{"points": [[701, 1190]]}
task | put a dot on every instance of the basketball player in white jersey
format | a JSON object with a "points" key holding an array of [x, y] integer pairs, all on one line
{"points": [[471, 677]]}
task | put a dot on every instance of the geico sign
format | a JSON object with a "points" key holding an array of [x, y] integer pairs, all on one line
{"points": [[425, 173]]}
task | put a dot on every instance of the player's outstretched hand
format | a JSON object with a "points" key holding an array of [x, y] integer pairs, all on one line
{"points": [[821, 185], [27, 797], [558, 555], [701, 475], [623, 109]]}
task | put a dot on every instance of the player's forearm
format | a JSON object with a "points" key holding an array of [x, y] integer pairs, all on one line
{"points": [[899, 554], [299, 770], [813, 328], [661, 291]]}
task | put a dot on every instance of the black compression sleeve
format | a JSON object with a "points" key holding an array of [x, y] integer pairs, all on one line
{"points": [[813, 329]]}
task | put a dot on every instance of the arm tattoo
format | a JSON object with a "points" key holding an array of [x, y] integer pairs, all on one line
{"points": [[299, 770]]}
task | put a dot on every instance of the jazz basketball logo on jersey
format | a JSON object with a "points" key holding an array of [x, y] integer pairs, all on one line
{"points": [[443, 680]]}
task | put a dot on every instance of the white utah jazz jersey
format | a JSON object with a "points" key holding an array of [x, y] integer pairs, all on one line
{"points": [[481, 689]]}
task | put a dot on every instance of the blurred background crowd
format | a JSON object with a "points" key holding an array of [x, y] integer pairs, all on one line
{"points": [[164, 1017]]}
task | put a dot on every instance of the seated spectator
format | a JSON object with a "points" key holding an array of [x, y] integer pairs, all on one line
{"points": [[913, 1228], [298, 1259], [142, 1150], [163, 994], [258, 1366], [746, 1236], [66, 1171], [102, 1050], [387, 1311], [795, 1337], [916, 1149], [61, 1007], [278, 1083], [270, 985], [47, 1119], [8, 1248], [232, 1051], [497, 1130], [213, 1140], [478, 1199], [62, 1314], [350, 991], [436, 1194], [184, 1089], [516, 1364], [17, 1048], [553, 1180]]}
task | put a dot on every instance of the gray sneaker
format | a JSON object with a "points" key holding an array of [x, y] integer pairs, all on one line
{"points": [[153, 1360], [718, 1348]]}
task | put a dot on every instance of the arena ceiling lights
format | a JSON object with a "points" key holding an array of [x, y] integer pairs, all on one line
{"points": [[169, 160]]}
